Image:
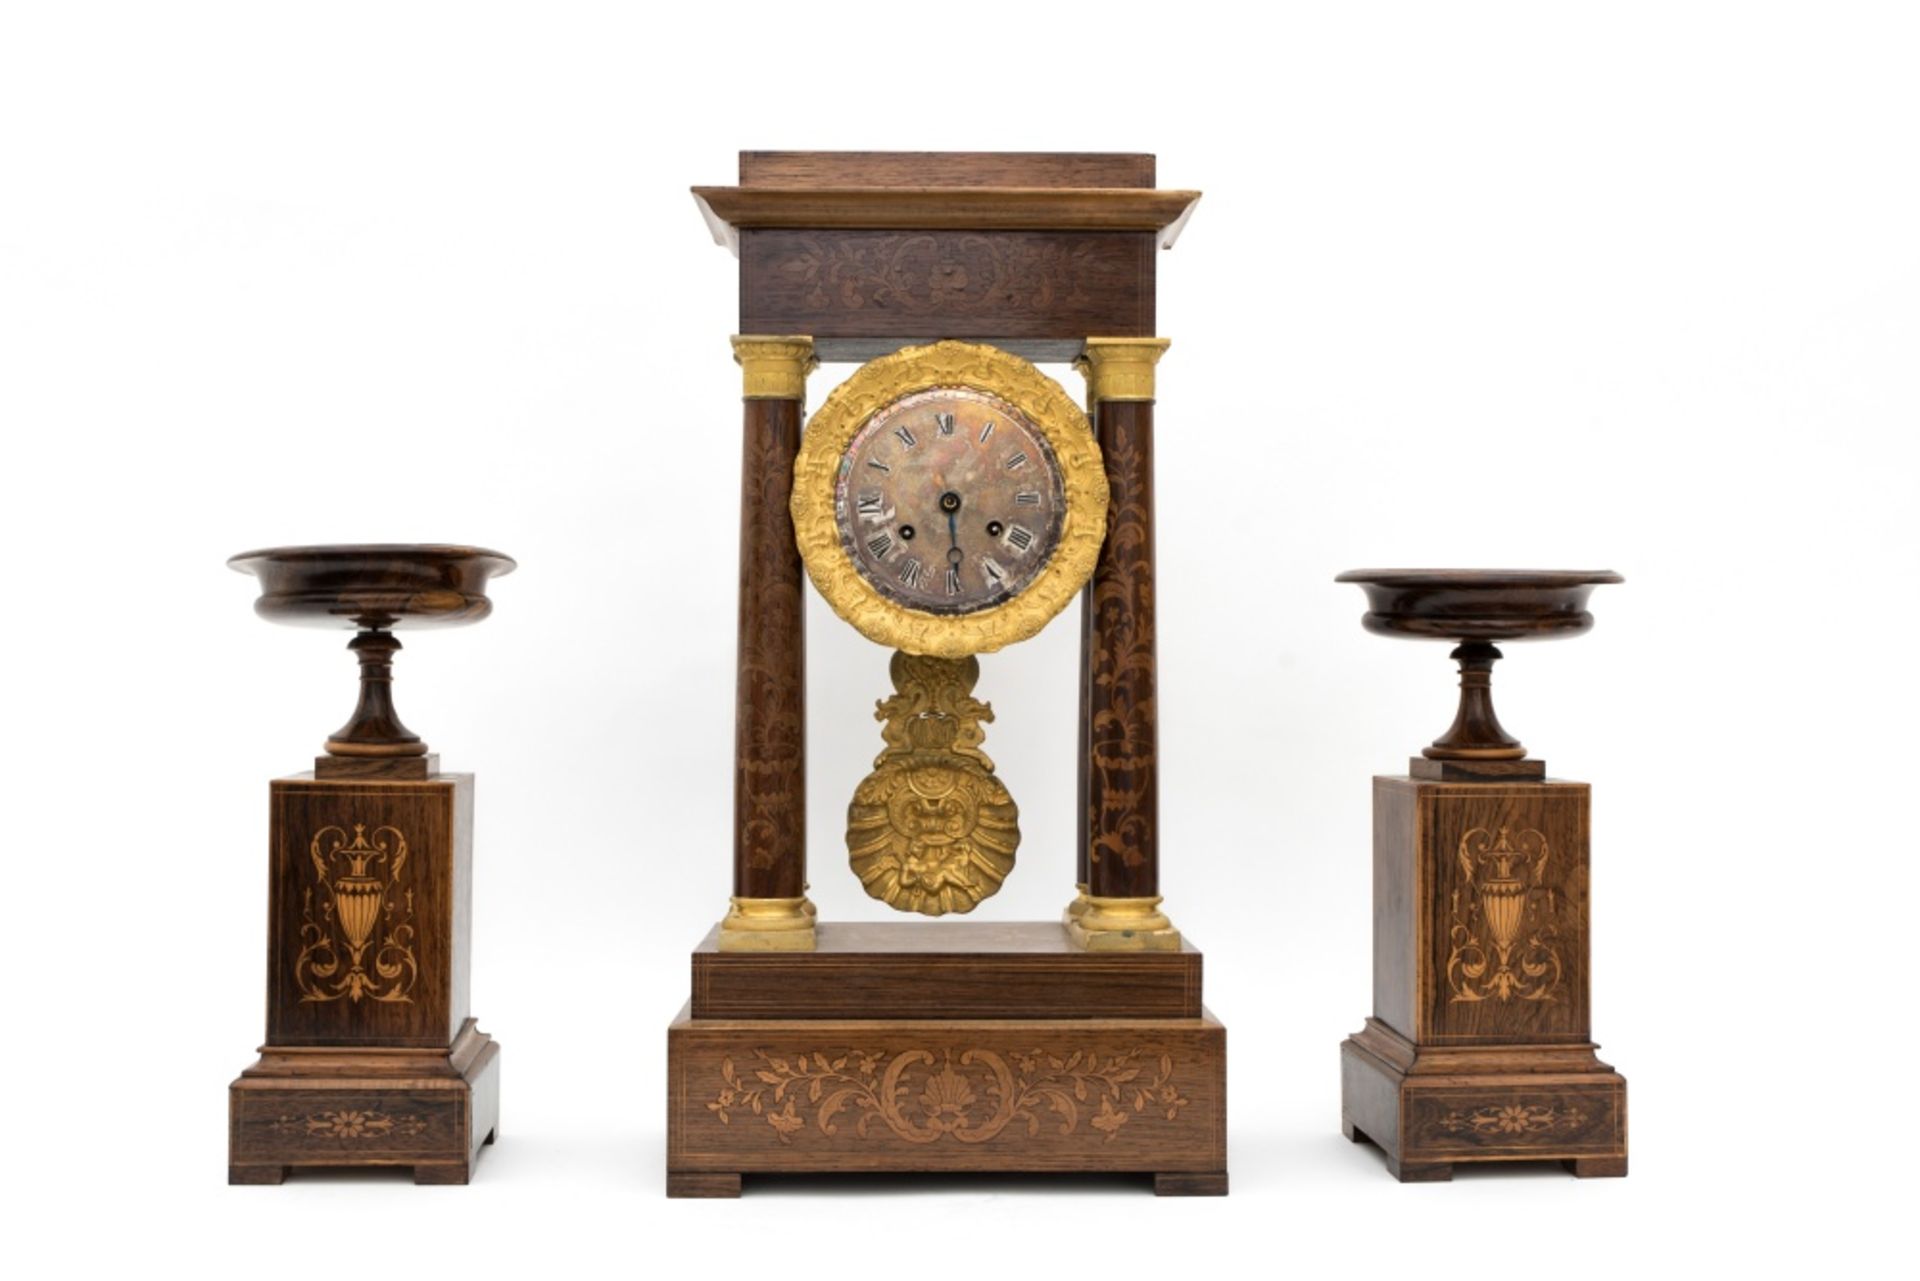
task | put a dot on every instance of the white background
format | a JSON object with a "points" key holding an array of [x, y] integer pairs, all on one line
{"points": [[1609, 285]]}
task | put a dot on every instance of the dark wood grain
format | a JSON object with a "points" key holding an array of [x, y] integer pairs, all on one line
{"points": [[769, 790], [374, 585], [977, 209], [374, 588], [1478, 604], [1138, 1095], [1398, 926], [924, 284], [1083, 773], [1427, 768], [1477, 607], [431, 1110], [384, 767], [954, 969], [945, 169], [1554, 1006], [426, 1002], [1474, 1054], [1190, 1183], [1430, 1109], [374, 729], [1123, 769]]}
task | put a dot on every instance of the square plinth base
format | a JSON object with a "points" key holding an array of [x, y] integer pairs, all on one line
{"points": [[1053, 1095], [315, 1106], [1432, 1109]]}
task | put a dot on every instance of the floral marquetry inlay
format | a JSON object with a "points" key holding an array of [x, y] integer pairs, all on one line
{"points": [[356, 922], [351, 1124], [1513, 1118], [969, 1096], [1503, 936]]}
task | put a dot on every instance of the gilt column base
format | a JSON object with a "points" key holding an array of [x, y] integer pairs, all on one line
{"points": [[1122, 925], [768, 925]]}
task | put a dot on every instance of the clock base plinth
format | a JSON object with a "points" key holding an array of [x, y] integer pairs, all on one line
{"points": [[1432, 1108], [919, 1095], [945, 969], [363, 1106]]}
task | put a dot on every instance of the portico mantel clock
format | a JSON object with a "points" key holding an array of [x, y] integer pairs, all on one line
{"points": [[948, 500]]}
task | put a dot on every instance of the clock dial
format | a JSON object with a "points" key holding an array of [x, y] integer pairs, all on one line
{"points": [[949, 500]]}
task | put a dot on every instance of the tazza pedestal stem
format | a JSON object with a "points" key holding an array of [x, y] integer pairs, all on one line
{"points": [[1476, 734], [375, 728]]}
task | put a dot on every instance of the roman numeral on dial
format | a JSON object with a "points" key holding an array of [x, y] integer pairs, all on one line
{"points": [[995, 575], [945, 423], [1027, 498], [912, 571], [953, 580], [986, 431], [870, 506], [880, 544], [877, 465], [1016, 462], [906, 437], [1019, 537]]}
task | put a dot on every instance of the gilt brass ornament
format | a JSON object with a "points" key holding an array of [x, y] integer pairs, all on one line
{"points": [[931, 830], [949, 499]]}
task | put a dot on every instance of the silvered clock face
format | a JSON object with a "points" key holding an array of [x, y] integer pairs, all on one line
{"points": [[949, 500]]}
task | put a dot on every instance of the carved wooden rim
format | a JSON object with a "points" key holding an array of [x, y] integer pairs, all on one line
{"points": [[915, 369]]}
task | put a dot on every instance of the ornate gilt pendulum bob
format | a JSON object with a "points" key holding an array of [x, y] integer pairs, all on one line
{"points": [[931, 830]]}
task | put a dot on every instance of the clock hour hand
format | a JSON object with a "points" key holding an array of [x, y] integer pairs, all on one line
{"points": [[950, 504]]}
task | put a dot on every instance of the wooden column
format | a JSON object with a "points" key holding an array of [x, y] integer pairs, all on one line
{"points": [[1121, 907], [769, 909]]}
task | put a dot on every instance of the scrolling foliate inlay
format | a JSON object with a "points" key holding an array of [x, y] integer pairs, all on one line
{"points": [[1503, 938], [770, 743], [970, 1096], [1124, 733], [953, 273], [357, 931], [931, 830]]}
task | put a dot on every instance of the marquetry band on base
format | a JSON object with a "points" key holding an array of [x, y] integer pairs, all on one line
{"points": [[768, 925], [1430, 1109], [757, 1096], [314, 1106], [1121, 925]]}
